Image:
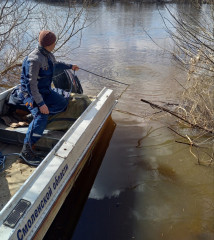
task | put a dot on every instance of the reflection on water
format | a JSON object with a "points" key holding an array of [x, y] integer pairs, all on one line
{"points": [[148, 187], [152, 192], [66, 219]]}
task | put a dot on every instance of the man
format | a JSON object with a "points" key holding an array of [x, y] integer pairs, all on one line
{"points": [[37, 95]]}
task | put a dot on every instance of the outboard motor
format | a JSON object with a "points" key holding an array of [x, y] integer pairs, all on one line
{"points": [[63, 78]]}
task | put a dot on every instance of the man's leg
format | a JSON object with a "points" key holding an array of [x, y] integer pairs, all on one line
{"points": [[34, 133], [55, 102], [36, 127]]}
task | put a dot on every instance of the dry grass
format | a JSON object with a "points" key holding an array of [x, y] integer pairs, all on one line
{"points": [[191, 31], [197, 106], [198, 98]]}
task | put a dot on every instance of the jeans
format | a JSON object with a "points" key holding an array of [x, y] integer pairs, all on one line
{"points": [[55, 103]]}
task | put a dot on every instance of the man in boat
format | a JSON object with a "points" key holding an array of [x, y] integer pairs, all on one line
{"points": [[37, 95]]}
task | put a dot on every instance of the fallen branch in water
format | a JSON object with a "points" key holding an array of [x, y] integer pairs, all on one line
{"points": [[191, 143], [184, 143], [176, 132], [176, 115]]}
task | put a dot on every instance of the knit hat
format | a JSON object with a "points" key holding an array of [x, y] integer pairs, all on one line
{"points": [[46, 38]]}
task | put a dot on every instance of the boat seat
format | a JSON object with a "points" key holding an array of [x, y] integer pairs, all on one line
{"points": [[61, 121], [17, 135]]}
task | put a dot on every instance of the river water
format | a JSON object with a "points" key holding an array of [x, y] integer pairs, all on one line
{"points": [[148, 186]]}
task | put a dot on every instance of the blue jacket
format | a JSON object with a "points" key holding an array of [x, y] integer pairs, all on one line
{"points": [[37, 72]]}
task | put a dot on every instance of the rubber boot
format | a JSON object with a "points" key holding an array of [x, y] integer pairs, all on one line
{"points": [[29, 156]]}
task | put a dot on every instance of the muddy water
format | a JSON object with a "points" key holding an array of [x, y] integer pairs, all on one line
{"points": [[148, 186]]}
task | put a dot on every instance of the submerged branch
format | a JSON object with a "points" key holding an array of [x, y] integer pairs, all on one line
{"points": [[176, 115]]}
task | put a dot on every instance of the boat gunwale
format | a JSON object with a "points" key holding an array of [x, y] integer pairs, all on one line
{"points": [[30, 181], [74, 169], [49, 156]]}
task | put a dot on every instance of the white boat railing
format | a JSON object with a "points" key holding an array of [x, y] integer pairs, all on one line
{"points": [[44, 186]]}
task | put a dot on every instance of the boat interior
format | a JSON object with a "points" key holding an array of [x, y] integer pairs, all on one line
{"points": [[14, 172]]}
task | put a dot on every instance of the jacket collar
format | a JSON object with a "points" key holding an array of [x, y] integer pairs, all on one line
{"points": [[43, 51]]}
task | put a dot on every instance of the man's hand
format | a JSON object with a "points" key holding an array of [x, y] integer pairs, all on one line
{"points": [[44, 109], [75, 68]]}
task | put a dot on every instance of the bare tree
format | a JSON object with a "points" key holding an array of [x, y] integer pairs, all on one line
{"points": [[195, 50], [191, 29], [20, 24]]}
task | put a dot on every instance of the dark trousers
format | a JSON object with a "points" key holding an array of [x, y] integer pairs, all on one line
{"points": [[55, 103]]}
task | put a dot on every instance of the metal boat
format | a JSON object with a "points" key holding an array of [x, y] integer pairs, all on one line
{"points": [[31, 209]]}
